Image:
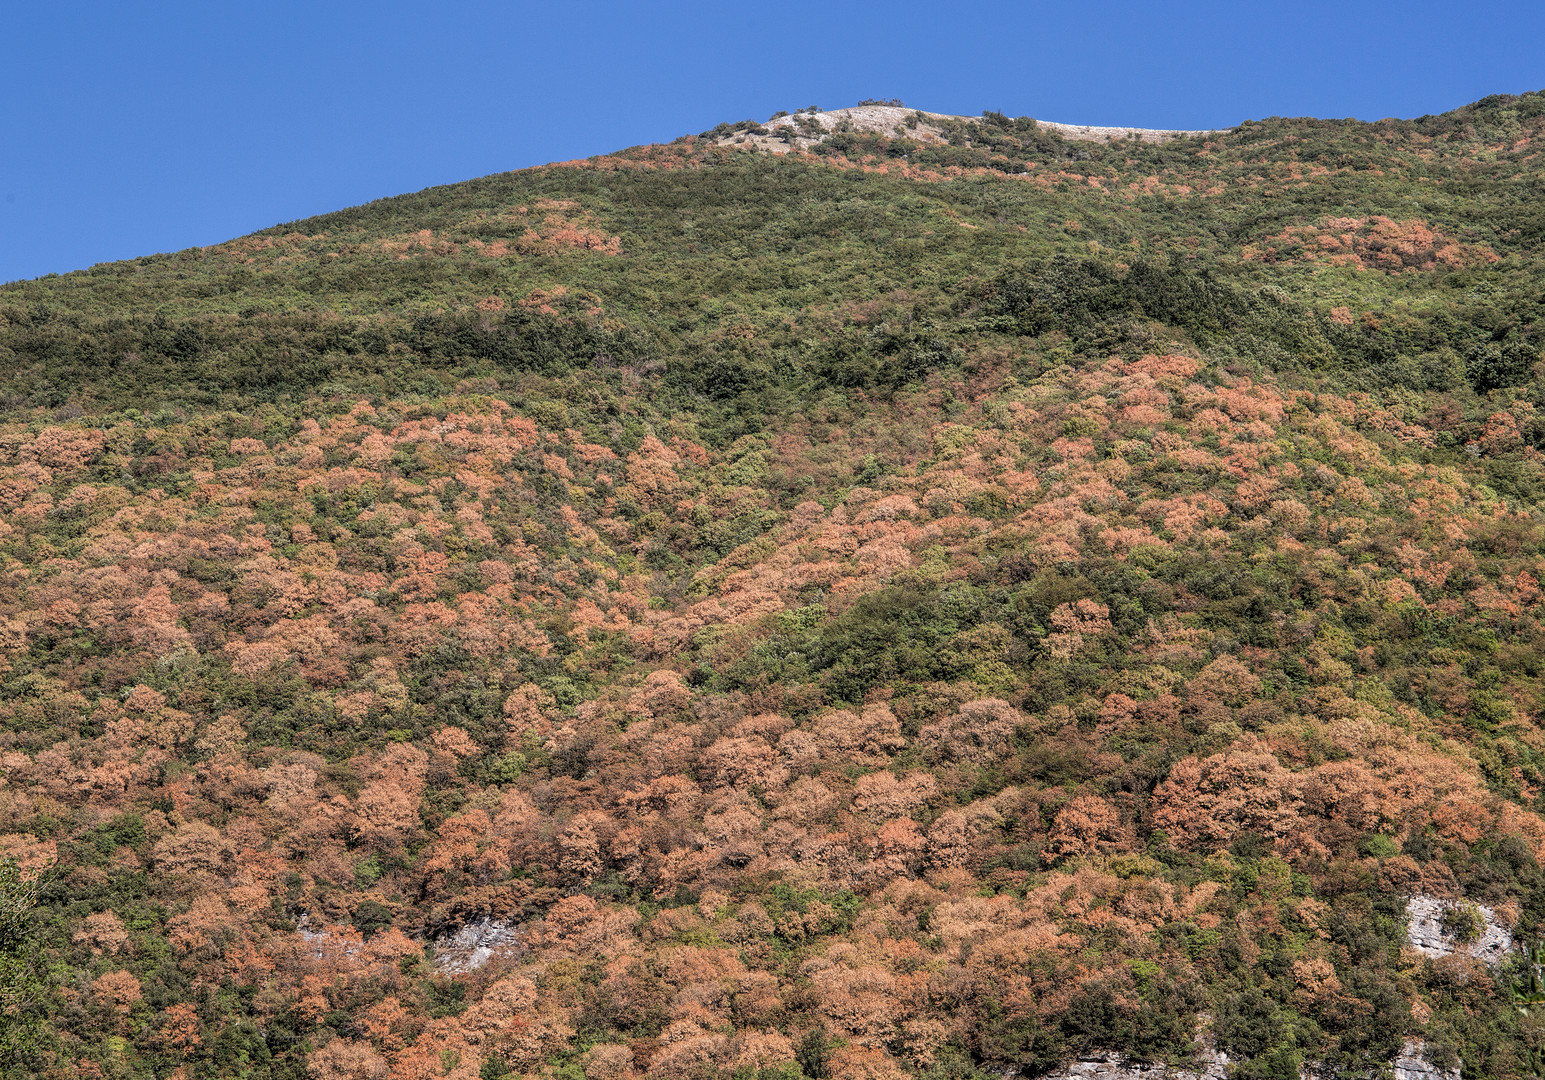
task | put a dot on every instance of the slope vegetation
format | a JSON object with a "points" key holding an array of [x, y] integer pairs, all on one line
{"points": [[893, 607]]}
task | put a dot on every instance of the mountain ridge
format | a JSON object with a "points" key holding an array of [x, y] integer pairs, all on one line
{"points": [[900, 122]]}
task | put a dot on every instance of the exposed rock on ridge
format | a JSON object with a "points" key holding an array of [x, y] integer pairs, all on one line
{"points": [[1086, 133], [924, 127]]}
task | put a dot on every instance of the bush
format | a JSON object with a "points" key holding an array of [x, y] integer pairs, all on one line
{"points": [[1463, 922]]}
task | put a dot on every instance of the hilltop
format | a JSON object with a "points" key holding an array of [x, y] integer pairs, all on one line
{"points": [[808, 127], [929, 596]]}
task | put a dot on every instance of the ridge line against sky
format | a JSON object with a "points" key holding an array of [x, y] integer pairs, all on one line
{"points": [[170, 125]]}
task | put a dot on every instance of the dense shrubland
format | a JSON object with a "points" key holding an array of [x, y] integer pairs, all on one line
{"points": [[890, 610]]}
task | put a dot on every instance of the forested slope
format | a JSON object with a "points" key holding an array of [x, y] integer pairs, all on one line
{"points": [[885, 609]]}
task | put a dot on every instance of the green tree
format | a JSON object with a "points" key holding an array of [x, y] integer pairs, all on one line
{"points": [[22, 1028]]}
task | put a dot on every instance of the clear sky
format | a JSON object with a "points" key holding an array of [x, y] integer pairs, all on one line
{"points": [[130, 127]]}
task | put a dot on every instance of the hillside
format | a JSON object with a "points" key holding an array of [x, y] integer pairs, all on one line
{"points": [[909, 596]]}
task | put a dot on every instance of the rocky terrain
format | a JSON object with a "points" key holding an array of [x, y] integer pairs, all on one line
{"points": [[1492, 944], [805, 129]]}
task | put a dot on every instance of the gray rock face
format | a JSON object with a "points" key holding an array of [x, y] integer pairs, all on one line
{"points": [[316, 938], [475, 944], [1425, 932], [1410, 1065], [1211, 1065], [924, 127], [466, 950]]}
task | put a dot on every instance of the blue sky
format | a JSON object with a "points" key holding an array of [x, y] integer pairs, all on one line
{"points": [[135, 127]]}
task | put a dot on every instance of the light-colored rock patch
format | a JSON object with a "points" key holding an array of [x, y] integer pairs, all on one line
{"points": [[1211, 1065], [1410, 1065], [924, 127], [1425, 932], [1085, 133], [475, 944]]}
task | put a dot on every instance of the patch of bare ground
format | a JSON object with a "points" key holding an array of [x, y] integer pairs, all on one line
{"points": [[805, 129]]}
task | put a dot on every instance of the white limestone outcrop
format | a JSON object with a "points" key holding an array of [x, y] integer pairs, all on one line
{"points": [[1425, 932], [1211, 1065], [1410, 1065], [475, 944]]}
